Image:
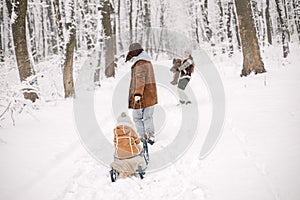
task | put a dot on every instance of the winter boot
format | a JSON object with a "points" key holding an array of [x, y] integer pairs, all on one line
{"points": [[181, 101], [150, 138], [188, 102]]}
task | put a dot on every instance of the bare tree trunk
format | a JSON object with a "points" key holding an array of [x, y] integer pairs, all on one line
{"points": [[162, 26], [229, 28], [109, 51], [43, 53], [283, 28], [296, 8], [255, 15], [69, 52], [114, 28], [119, 26], [138, 16], [252, 59], [1, 33], [68, 65], [87, 28], [52, 27], [7, 34], [47, 18], [236, 27], [268, 22], [97, 70], [130, 21], [197, 30], [263, 25], [290, 16], [33, 34], [196, 20], [32, 39], [59, 27], [221, 30], [147, 23], [204, 10], [20, 44]]}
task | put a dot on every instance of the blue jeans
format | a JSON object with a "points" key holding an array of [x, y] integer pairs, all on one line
{"points": [[143, 119], [182, 95]]}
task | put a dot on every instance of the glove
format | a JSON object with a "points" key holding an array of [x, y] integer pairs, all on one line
{"points": [[137, 98]]}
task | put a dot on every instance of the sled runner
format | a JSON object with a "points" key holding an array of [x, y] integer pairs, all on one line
{"points": [[134, 166]]}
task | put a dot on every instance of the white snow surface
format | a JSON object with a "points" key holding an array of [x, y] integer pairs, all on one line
{"points": [[257, 157]]}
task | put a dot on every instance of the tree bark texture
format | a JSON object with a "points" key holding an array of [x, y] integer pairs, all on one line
{"points": [[108, 40], [252, 60], [69, 54], [19, 37]]}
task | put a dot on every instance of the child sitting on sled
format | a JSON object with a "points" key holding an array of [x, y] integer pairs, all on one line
{"points": [[128, 155]]}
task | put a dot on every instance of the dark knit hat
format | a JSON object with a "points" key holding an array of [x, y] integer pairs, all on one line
{"points": [[135, 46], [134, 50]]}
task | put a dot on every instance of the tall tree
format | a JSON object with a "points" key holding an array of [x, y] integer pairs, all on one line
{"points": [[283, 28], [236, 26], [221, 29], [252, 60], [296, 8], [30, 27], [114, 28], [130, 2], [17, 10], [256, 18], [162, 26], [196, 25], [52, 26], [229, 28], [147, 23], [43, 30], [290, 16], [109, 42], [119, 26], [59, 24], [204, 11], [87, 25], [69, 50], [1, 33], [7, 40], [268, 22], [138, 26]]}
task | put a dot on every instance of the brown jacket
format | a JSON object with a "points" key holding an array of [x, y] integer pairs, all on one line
{"points": [[126, 142], [142, 84], [176, 65]]}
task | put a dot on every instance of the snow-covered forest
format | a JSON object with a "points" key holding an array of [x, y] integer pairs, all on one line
{"points": [[53, 31], [253, 44]]}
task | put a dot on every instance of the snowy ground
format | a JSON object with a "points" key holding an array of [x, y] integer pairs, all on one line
{"points": [[257, 156]]}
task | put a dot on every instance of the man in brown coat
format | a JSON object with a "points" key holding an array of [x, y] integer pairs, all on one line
{"points": [[142, 91]]}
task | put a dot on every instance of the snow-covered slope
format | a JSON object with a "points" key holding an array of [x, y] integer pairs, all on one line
{"points": [[257, 156]]}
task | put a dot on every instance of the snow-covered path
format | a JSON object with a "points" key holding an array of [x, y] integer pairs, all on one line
{"points": [[257, 156]]}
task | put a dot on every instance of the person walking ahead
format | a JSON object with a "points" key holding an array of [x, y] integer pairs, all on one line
{"points": [[186, 69], [142, 91]]}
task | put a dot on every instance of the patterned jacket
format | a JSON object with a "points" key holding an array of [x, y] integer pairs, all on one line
{"points": [[126, 142]]}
